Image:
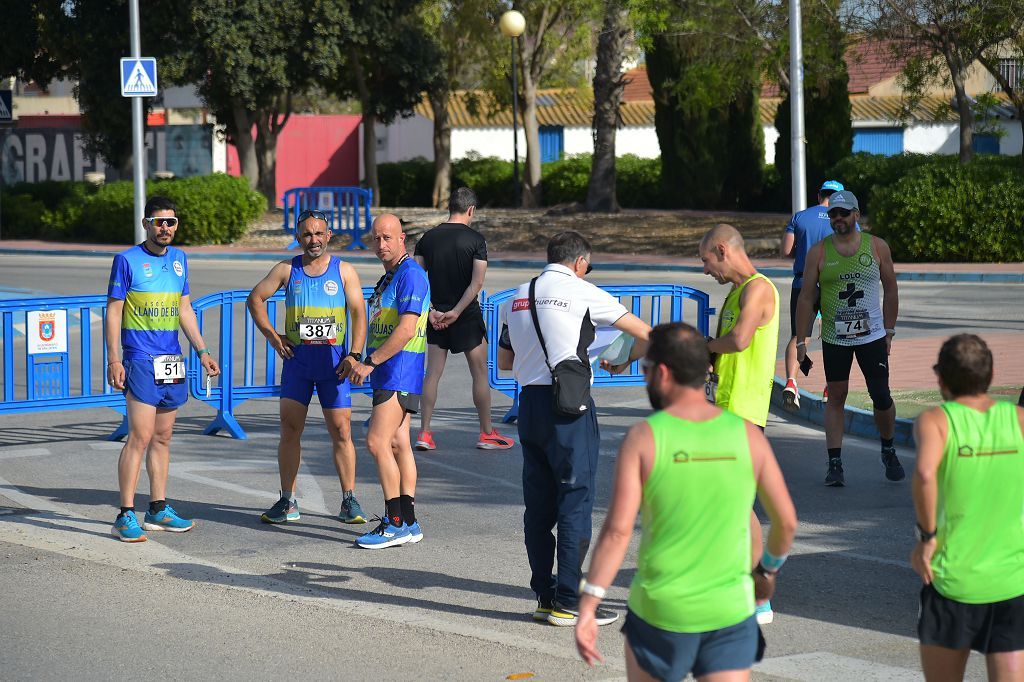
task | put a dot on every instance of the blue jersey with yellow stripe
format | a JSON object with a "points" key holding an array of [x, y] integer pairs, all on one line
{"points": [[408, 291], [151, 287], [315, 302]]}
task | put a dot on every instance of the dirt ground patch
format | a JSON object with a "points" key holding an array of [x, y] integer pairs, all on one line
{"points": [[630, 232]]}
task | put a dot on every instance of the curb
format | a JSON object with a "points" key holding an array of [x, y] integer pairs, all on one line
{"points": [[856, 423], [772, 272]]}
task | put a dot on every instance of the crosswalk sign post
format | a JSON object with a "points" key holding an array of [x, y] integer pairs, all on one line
{"points": [[138, 77]]}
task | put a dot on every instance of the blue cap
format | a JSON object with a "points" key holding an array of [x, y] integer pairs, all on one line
{"points": [[833, 185]]}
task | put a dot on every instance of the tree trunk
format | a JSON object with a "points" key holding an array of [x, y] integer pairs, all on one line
{"points": [[370, 154], [244, 143], [532, 196], [442, 148], [963, 105], [608, 89]]}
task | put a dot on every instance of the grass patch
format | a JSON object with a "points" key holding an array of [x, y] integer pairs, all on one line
{"points": [[909, 404]]}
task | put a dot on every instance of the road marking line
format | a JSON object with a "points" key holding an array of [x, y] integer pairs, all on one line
{"points": [[28, 452], [106, 445], [309, 491], [518, 485], [822, 665]]}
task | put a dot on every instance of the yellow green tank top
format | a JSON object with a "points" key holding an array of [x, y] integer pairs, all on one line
{"points": [[851, 295], [745, 378], [693, 568], [980, 553]]}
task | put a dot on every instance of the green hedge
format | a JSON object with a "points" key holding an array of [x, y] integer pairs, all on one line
{"points": [[944, 211], [409, 183], [214, 209]]}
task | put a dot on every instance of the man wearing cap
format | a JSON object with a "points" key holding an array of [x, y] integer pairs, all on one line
{"points": [[854, 270], [805, 229]]}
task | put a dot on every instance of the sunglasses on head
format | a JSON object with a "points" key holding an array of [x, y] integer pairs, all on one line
{"points": [[841, 212], [163, 222], [308, 213]]}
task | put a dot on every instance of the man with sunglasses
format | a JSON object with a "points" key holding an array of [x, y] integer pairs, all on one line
{"points": [[318, 351], [854, 271], [559, 452], [395, 355], [147, 302]]}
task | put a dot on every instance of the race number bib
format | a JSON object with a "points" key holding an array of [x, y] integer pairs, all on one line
{"points": [[852, 324], [711, 387], [169, 369], [317, 330]]}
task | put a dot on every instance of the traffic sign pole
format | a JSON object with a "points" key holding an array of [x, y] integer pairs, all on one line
{"points": [[140, 162]]}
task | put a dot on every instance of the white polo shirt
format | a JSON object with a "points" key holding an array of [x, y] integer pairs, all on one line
{"points": [[568, 309]]}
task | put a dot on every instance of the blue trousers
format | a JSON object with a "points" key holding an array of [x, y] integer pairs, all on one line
{"points": [[559, 476]]}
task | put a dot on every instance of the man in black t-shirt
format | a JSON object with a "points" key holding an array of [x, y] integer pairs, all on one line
{"points": [[455, 258]]}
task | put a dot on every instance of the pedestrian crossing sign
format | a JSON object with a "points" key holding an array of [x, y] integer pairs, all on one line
{"points": [[5, 106], [138, 77]]}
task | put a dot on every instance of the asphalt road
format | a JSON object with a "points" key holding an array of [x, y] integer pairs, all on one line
{"points": [[236, 599]]}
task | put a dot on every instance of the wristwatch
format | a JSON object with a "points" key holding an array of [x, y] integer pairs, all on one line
{"points": [[592, 590], [891, 331], [356, 355], [923, 535], [368, 361]]}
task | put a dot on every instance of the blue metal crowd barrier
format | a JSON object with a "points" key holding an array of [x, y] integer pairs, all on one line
{"points": [[646, 301], [72, 346], [56, 349], [347, 210]]}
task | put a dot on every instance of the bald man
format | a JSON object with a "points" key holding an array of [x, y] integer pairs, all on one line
{"points": [[395, 355], [748, 339]]}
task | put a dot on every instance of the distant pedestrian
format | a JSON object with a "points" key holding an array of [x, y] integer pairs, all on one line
{"points": [[455, 258], [550, 320], [968, 492], [692, 471], [394, 365], [805, 229]]}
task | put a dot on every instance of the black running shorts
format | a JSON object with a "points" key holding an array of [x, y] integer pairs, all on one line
{"points": [[986, 628], [465, 334]]}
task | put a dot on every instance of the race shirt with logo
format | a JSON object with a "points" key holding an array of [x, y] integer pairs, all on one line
{"points": [[745, 378], [151, 288], [808, 227], [851, 295], [406, 291], [979, 558], [693, 566], [315, 307]]}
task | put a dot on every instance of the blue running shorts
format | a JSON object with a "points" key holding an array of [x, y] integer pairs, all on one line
{"points": [[138, 379], [672, 655], [314, 367]]}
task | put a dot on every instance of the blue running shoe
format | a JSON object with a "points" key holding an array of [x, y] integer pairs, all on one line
{"points": [[385, 535], [351, 512], [283, 510], [167, 520], [126, 528], [415, 532], [764, 613]]}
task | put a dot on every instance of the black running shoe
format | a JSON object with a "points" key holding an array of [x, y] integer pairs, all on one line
{"points": [[893, 468], [834, 478], [567, 617]]}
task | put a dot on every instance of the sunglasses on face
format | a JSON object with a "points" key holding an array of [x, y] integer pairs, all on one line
{"points": [[163, 222], [841, 212], [590, 268], [320, 215]]}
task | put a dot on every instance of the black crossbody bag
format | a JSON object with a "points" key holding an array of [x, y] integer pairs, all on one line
{"points": [[570, 379]]}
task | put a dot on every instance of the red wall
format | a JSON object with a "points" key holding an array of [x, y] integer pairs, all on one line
{"points": [[313, 151]]}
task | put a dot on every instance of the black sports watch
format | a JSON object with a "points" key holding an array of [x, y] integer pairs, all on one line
{"points": [[368, 361], [358, 356], [923, 535]]}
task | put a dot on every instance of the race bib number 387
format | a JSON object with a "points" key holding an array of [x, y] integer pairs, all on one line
{"points": [[317, 330]]}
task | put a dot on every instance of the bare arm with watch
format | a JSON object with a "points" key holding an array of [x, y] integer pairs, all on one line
{"points": [[403, 333], [930, 430], [773, 495], [356, 305], [190, 325]]}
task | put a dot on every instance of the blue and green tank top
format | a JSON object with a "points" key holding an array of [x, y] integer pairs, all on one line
{"points": [[405, 290], [151, 287], [315, 307]]}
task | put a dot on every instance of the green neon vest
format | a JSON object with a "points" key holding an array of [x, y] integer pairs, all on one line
{"points": [[693, 568], [980, 554]]}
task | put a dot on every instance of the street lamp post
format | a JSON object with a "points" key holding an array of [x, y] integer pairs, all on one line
{"points": [[513, 24]]}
